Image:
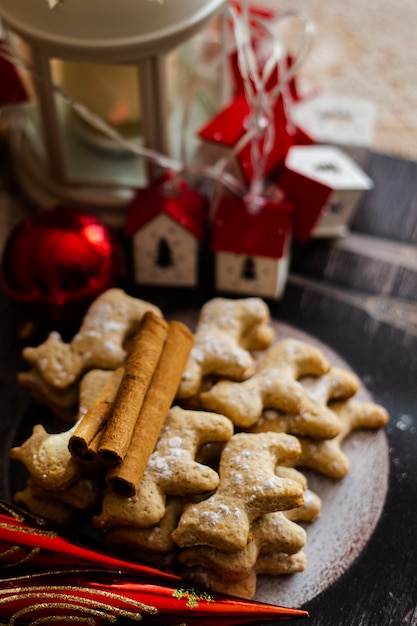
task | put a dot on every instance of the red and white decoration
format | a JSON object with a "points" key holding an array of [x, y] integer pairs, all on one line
{"points": [[223, 133], [255, 260], [254, 139], [167, 222], [325, 185]]}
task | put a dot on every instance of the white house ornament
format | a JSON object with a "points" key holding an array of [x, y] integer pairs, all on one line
{"points": [[342, 121], [251, 247], [167, 222], [333, 119], [325, 185]]}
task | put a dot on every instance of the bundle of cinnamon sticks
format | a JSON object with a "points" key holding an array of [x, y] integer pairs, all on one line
{"points": [[122, 426]]}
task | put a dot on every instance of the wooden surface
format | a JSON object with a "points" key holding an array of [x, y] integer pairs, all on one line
{"points": [[379, 588]]}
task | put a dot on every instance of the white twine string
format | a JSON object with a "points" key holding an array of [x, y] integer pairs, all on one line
{"points": [[262, 103]]}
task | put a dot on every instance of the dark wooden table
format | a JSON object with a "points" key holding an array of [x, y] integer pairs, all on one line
{"points": [[380, 588]]}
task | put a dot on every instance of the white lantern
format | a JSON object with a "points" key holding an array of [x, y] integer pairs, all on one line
{"points": [[52, 162]]}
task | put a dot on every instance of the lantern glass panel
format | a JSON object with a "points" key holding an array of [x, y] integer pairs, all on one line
{"points": [[158, 101], [109, 91]]}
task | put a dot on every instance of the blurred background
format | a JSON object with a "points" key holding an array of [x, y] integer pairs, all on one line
{"points": [[367, 49], [362, 49]]}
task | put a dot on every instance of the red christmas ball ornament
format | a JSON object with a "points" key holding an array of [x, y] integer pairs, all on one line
{"points": [[57, 261]]}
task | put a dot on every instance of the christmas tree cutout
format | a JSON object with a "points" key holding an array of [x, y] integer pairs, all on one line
{"points": [[248, 269], [327, 167], [164, 254]]}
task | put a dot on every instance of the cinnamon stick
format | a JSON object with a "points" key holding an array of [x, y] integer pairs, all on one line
{"points": [[139, 368], [91, 424], [126, 477]]}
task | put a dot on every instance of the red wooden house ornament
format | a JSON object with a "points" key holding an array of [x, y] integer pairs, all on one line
{"points": [[251, 248], [229, 126], [167, 221], [324, 184]]}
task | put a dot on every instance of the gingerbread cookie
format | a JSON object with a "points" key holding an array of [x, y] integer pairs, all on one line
{"points": [[327, 457], [48, 459], [271, 564], [155, 538], [242, 588], [276, 384], [82, 495], [248, 488], [100, 343], [172, 470], [63, 403], [311, 507], [227, 330], [54, 510], [272, 533]]}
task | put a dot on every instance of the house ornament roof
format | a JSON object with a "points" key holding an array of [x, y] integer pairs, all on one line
{"points": [[179, 200]]}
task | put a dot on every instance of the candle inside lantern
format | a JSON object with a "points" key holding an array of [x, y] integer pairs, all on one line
{"points": [[109, 91], [132, 40]]}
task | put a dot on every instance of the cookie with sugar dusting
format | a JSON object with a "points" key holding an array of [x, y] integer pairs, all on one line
{"points": [[66, 404], [172, 470], [63, 403], [91, 384], [327, 457], [276, 384], [208, 578], [319, 391], [227, 331], [277, 564], [272, 533], [156, 538], [54, 510], [310, 510], [63, 505], [48, 460], [281, 563], [248, 489], [82, 495], [100, 342]]}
